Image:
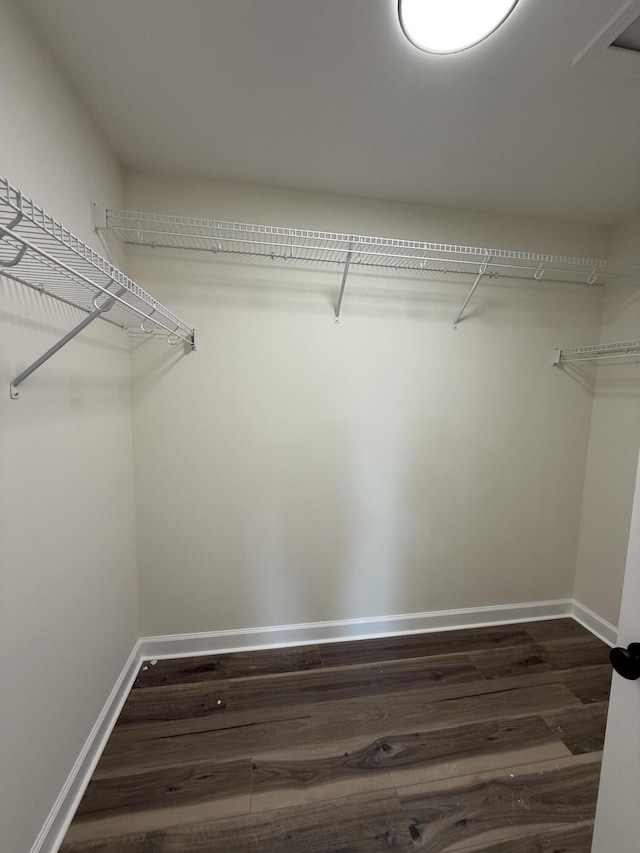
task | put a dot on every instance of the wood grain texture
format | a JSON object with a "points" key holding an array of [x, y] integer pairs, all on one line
{"points": [[344, 682], [307, 775], [517, 660], [542, 656], [362, 719], [141, 801], [555, 629], [575, 653], [481, 740], [361, 824], [589, 684], [140, 730], [422, 645], [581, 729], [562, 839], [502, 806], [225, 666], [174, 702], [183, 783]]}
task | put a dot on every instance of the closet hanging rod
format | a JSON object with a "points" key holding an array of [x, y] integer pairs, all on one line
{"points": [[622, 349]]}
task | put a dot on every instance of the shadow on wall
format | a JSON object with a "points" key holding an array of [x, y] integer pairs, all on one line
{"points": [[582, 373], [624, 304], [200, 284], [293, 507], [313, 472], [160, 359], [26, 310], [329, 533], [614, 379]]}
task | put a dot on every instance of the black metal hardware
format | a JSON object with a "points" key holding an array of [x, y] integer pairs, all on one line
{"points": [[626, 662]]}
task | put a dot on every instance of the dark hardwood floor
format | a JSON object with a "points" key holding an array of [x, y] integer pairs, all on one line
{"points": [[486, 739]]}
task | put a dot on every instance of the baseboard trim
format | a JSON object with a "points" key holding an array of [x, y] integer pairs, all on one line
{"points": [[246, 639], [55, 827], [604, 630]]}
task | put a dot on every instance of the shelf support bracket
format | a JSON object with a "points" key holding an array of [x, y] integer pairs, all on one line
{"points": [[99, 310], [481, 272], [6, 231], [98, 217], [345, 273]]}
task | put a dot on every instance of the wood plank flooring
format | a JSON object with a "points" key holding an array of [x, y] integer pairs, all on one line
{"points": [[486, 739]]}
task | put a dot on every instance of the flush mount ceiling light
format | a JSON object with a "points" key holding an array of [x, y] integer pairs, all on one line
{"points": [[448, 26]]}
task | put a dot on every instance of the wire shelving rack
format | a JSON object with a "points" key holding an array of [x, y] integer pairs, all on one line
{"points": [[268, 241], [442, 261], [39, 252], [597, 352], [432, 260]]}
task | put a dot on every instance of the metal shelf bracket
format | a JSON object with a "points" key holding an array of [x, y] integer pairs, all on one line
{"points": [[98, 216], [481, 272], [97, 312], [345, 273]]}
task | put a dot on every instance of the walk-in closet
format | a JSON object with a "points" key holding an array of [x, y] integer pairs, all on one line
{"points": [[320, 349]]}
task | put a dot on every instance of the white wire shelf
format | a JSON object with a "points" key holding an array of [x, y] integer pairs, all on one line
{"points": [[215, 236], [622, 349], [39, 252]]}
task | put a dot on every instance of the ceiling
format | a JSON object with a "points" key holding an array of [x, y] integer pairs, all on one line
{"points": [[328, 95]]}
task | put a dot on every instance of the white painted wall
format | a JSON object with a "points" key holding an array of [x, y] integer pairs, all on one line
{"points": [[296, 470], [68, 610], [614, 444]]}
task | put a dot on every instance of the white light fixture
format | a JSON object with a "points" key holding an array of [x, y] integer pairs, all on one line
{"points": [[448, 26]]}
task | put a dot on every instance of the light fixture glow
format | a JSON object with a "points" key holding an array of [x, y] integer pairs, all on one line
{"points": [[448, 26]]}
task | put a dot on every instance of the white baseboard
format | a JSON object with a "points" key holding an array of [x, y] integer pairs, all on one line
{"points": [[55, 827], [594, 623], [245, 639]]}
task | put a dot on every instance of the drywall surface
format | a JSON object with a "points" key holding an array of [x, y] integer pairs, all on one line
{"points": [[68, 611], [614, 444], [295, 470]]}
